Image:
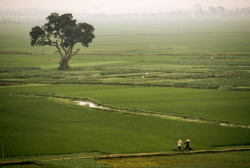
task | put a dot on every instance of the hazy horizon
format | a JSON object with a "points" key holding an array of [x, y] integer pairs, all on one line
{"points": [[119, 6]]}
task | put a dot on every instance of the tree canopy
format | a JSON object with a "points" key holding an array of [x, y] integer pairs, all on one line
{"points": [[63, 33]]}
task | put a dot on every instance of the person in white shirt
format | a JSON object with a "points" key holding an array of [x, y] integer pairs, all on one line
{"points": [[179, 144]]}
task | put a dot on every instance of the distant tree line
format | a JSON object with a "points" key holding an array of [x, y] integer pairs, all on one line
{"points": [[220, 10], [19, 17]]}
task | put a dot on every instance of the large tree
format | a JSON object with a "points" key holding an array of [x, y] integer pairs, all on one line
{"points": [[63, 33]]}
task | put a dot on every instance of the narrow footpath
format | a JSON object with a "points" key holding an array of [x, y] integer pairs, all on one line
{"points": [[130, 155]]}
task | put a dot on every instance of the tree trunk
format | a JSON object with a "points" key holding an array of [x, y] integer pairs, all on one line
{"points": [[64, 64]]}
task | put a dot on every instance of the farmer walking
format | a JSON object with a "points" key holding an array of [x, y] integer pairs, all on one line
{"points": [[187, 144], [179, 144]]}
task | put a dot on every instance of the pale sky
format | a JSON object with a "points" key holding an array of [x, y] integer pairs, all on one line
{"points": [[119, 6]]}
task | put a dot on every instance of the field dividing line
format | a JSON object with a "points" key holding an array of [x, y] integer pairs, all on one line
{"points": [[150, 114], [171, 153], [76, 102], [101, 107], [113, 156]]}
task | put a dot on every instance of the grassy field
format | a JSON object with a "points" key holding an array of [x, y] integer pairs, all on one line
{"points": [[175, 53], [216, 105], [179, 71], [227, 160], [57, 129]]}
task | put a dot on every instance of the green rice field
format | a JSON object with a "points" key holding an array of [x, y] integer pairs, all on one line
{"points": [[180, 92]]}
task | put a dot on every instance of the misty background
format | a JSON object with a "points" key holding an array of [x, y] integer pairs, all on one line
{"points": [[120, 6], [30, 10]]}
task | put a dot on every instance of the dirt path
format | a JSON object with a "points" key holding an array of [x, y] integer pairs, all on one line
{"points": [[130, 155], [90, 104]]}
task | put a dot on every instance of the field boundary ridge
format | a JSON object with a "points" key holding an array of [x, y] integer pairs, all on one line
{"points": [[73, 101], [114, 156]]}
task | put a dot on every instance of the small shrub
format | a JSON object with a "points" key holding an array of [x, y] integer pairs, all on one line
{"points": [[227, 88]]}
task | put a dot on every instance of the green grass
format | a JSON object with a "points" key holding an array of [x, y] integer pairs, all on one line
{"points": [[226, 160], [228, 106], [181, 71], [25, 166], [55, 161], [37, 126], [174, 52], [208, 160], [75, 163]]}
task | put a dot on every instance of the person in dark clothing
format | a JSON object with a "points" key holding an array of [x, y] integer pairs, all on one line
{"points": [[187, 144], [133, 84]]}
